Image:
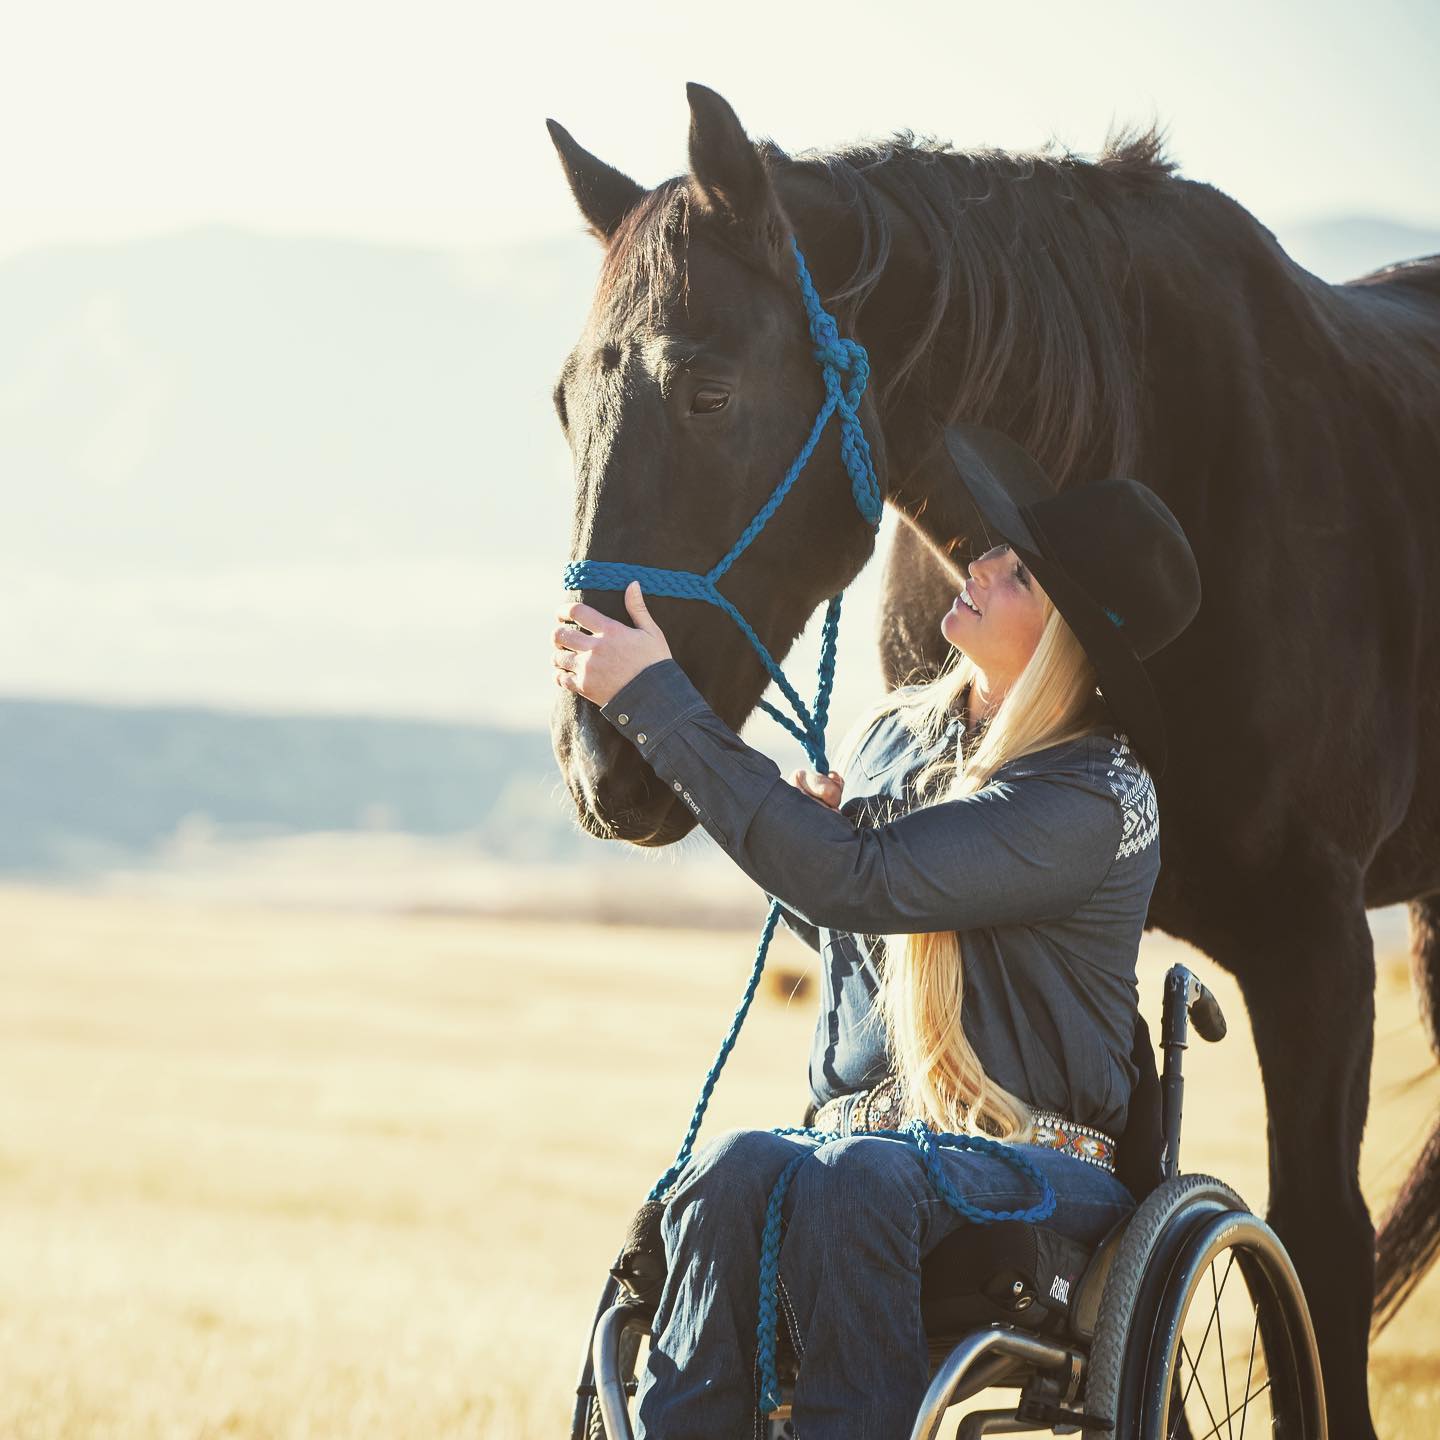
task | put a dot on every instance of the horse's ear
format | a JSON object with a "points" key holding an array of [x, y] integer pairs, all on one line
{"points": [[726, 172], [604, 195]]}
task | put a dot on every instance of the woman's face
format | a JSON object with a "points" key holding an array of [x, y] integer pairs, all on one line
{"points": [[1003, 636]]}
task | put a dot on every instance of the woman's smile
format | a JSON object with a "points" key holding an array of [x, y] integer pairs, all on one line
{"points": [[1007, 606]]}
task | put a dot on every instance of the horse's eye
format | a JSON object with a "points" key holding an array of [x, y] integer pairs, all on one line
{"points": [[707, 402]]}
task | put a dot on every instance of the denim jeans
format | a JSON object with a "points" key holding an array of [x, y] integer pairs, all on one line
{"points": [[860, 1214]]}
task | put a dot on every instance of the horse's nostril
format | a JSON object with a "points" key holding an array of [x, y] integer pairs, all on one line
{"points": [[609, 357]]}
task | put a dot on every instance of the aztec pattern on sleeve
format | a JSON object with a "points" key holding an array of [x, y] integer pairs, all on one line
{"points": [[1132, 786]]}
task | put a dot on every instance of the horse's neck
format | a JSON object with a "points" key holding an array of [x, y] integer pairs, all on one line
{"points": [[1195, 284], [920, 479]]}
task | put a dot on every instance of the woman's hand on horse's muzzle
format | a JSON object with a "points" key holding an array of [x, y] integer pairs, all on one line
{"points": [[601, 658]]}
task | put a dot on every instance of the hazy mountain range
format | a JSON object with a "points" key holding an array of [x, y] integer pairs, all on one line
{"points": [[85, 785]]}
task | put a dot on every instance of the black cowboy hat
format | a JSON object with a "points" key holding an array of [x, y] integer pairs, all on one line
{"points": [[1111, 557]]}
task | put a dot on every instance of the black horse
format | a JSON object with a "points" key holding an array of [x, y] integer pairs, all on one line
{"points": [[1116, 319]]}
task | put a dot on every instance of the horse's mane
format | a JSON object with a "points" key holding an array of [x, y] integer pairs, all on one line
{"points": [[1061, 296]]}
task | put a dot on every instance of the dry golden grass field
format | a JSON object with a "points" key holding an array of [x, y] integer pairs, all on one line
{"points": [[310, 1173]]}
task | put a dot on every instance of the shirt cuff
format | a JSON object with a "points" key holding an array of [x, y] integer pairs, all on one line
{"points": [[647, 708]]}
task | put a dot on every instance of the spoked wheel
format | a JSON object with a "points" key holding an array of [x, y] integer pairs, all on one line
{"points": [[1202, 1330], [1233, 1350]]}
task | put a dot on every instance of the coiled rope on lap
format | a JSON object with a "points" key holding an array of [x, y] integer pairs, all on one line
{"points": [[928, 1143], [845, 370]]}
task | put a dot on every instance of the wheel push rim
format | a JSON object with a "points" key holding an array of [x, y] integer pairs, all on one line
{"points": [[1234, 1350]]}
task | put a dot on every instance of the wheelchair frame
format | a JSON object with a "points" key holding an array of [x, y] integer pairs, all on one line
{"points": [[1119, 1368]]}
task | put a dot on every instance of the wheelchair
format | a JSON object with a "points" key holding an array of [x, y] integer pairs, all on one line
{"points": [[1186, 1322]]}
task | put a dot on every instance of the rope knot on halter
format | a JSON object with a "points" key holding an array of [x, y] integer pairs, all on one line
{"points": [[838, 357], [838, 352]]}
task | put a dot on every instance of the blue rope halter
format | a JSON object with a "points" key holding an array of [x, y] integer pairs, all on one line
{"points": [[845, 368]]}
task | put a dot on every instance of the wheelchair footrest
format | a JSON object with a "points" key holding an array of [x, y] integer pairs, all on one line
{"points": [[1046, 1412]]}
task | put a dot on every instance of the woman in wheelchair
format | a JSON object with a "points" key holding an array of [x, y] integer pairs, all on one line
{"points": [[975, 880]]}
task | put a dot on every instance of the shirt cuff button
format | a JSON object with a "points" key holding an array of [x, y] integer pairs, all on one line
{"points": [[623, 719], [677, 785], [641, 737]]}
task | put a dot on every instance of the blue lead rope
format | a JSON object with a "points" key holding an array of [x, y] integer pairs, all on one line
{"points": [[845, 369]]}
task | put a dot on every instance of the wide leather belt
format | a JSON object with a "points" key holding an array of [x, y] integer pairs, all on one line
{"points": [[879, 1108], [882, 1107]]}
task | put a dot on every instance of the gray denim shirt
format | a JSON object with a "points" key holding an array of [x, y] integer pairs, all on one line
{"points": [[1046, 871]]}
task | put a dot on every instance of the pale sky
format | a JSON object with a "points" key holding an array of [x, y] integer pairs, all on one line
{"points": [[423, 122]]}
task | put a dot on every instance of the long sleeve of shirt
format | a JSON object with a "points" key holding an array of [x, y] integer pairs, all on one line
{"points": [[1016, 852], [798, 926]]}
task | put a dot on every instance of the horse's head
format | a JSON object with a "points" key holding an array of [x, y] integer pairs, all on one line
{"points": [[690, 392]]}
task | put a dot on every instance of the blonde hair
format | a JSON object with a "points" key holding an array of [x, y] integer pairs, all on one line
{"points": [[1053, 700]]}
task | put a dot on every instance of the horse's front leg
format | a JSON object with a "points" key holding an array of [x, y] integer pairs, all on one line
{"points": [[1309, 985]]}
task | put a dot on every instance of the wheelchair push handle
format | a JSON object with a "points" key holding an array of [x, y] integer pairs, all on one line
{"points": [[1206, 1013], [1186, 999]]}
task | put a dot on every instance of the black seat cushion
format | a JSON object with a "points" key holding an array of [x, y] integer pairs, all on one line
{"points": [[1010, 1272]]}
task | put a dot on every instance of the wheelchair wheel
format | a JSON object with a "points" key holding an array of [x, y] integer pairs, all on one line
{"points": [[1203, 1326], [587, 1422], [628, 1354]]}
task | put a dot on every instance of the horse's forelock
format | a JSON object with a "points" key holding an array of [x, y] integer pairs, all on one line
{"points": [[645, 260], [646, 264]]}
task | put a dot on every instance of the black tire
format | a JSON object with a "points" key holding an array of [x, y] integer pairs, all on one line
{"points": [[1162, 1364], [1188, 1381], [1152, 1238]]}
